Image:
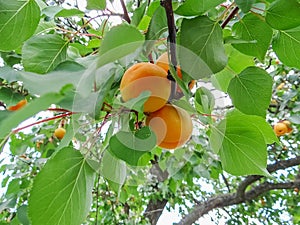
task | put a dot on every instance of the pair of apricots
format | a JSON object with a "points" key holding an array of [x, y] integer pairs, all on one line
{"points": [[171, 124]]}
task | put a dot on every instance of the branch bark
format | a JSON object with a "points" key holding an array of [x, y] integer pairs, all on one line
{"points": [[230, 16], [155, 207], [125, 16], [167, 4], [240, 195]]}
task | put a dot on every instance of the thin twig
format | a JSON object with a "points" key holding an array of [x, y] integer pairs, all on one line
{"points": [[58, 110], [97, 199], [226, 182], [42, 121]]}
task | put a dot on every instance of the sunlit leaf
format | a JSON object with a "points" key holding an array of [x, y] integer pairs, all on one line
{"points": [[200, 42], [253, 28], [196, 7], [18, 21], [115, 46], [158, 25], [204, 100], [237, 62], [286, 45], [113, 169], [54, 52], [96, 4], [241, 146], [130, 147], [244, 5], [138, 14], [251, 91], [62, 191], [283, 14]]}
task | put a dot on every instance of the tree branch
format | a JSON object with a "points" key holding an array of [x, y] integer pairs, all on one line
{"points": [[125, 16], [271, 168], [155, 207], [232, 199], [229, 17], [241, 196], [167, 4]]}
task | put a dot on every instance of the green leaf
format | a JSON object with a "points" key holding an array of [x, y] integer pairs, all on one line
{"points": [[13, 188], [94, 43], [200, 42], [115, 46], [283, 14], [13, 119], [241, 146], [70, 66], [286, 45], [83, 50], [158, 25], [10, 58], [10, 203], [9, 97], [130, 147], [138, 102], [113, 169], [51, 11], [54, 52], [204, 100], [8, 74], [62, 191], [22, 215], [184, 104], [196, 7], [244, 5], [260, 123], [40, 85], [45, 27], [251, 91], [253, 28], [18, 21], [96, 4], [69, 13], [138, 14], [237, 62]]}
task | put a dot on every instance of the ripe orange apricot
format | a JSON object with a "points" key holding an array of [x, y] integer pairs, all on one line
{"points": [[60, 133], [280, 129], [18, 106], [163, 62], [172, 126], [288, 124], [146, 77]]}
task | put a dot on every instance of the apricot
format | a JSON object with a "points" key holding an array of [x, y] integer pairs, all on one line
{"points": [[172, 126], [146, 77], [288, 124], [18, 106], [280, 129], [163, 62], [60, 133]]}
